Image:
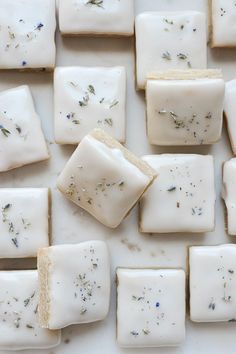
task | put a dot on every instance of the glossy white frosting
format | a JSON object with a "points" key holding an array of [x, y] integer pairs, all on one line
{"points": [[27, 30], [184, 112], [229, 194], [213, 283], [106, 17], [21, 138], [19, 312], [102, 181], [23, 221], [230, 111], [150, 307], [182, 198], [78, 283], [86, 98], [169, 40], [223, 23]]}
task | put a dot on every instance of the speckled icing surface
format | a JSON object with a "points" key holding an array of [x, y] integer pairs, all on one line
{"points": [[182, 198], [213, 283], [230, 111], [102, 181], [229, 194], [86, 98], [23, 221], [27, 30], [82, 272], [181, 44], [223, 23], [18, 313], [184, 112], [147, 313], [22, 141], [99, 17]]}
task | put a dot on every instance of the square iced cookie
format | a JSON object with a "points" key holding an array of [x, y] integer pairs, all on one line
{"points": [[182, 199], [22, 141], [86, 98], [82, 272], [23, 221], [27, 34], [185, 107], [230, 112], [148, 315], [223, 19], [229, 194], [96, 17], [104, 178], [213, 283], [181, 44], [19, 313]]}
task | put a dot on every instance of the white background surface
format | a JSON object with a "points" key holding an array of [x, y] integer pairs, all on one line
{"points": [[127, 247]]}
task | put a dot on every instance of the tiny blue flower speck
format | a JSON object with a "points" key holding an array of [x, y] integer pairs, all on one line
{"points": [[158, 304], [40, 25]]}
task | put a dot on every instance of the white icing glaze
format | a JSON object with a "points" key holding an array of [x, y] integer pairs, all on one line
{"points": [[86, 98], [182, 198], [82, 272], [27, 34], [23, 221], [223, 23], [229, 194], [21, 137], [184, 112], [181, 44], [102, 181], [213, 283], [106, 17], [230, 111], [18, 313], [148, 315]]}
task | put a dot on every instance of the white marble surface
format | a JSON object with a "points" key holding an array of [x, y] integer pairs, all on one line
{"points": [[127, 246]]}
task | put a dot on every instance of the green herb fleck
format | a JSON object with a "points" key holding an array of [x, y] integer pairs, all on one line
{"points": [[109, 121], [171, 189], [212, 306], [182, 56], [83, 311], [18, 129], [29, 326], [134, 333], [84, 101], [170, 22], [91, 89], [6, 207], [17, 322], [98, 3], [11, 35], [114, 103], [166, 55], [89, 201], [15, 242], [76, 121], [5, 131], [208, 116]]}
